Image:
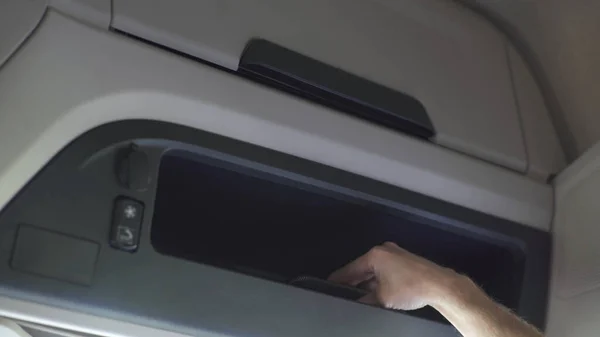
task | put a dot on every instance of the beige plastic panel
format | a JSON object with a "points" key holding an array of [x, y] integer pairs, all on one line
{"points": [[105, 77], [561, 36], [95, 12], [578, 231], [575, 295], [39, 330], [544, 151], [444, 55], [18, 18], [9, 328]]}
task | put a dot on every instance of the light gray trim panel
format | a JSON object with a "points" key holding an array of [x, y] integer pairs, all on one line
{"points": [[105, 78], [18, 19]]}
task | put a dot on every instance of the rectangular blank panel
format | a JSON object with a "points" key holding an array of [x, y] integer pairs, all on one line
{"points": [[54, 255]]}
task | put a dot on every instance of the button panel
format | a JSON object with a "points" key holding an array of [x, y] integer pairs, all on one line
{"points": [[126, 224]]}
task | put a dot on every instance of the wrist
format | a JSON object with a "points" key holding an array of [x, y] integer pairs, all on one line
{"points": [[452, 288]]}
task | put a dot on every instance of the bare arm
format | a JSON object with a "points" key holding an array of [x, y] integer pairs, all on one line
{"points": [[400, 280]]}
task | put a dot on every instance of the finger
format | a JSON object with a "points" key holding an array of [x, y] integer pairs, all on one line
{"points": [[390, 244], [393, 246], [369, 285], [385, 294], [370, 299], [355, 272]]}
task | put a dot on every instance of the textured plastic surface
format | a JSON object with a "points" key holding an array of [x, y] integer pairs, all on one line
{"points": [[283, 68], [151, 289]]}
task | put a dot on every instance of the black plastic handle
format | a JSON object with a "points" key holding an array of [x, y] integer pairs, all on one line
{"points": [[329, 288], [285, 69]]}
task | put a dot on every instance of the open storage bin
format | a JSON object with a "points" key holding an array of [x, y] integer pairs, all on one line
{"points": [[278, 227]]}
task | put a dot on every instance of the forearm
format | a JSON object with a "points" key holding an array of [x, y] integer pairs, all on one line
{"points": [[474, 314]]}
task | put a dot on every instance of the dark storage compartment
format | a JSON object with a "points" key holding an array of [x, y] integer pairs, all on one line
{"points": [[242, 219]]}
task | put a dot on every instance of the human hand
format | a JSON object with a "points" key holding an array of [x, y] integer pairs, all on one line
{"points": [[396, 278], [399, 279]]}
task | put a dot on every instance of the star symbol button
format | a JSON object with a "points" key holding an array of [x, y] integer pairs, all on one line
{"points": [[130, 212]]}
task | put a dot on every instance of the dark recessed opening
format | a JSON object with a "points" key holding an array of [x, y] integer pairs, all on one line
{"points": [[238, 218]]}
